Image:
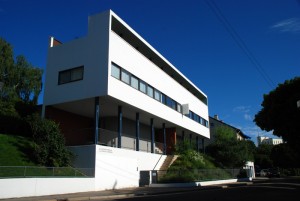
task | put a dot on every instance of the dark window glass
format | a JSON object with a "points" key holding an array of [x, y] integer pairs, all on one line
{"points": [[163, 98], [70, 75], [171, 103], [191, 115]]}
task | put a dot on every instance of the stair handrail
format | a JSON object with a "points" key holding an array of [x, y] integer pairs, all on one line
{"points": [[157, 161]]}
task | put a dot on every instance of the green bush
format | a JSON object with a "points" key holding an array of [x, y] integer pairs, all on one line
{"points": [[49, 143]]}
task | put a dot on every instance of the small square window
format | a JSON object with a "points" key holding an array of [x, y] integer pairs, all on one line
{"points": [[157, 95], [125, 76], [134, 82], [115, 71], [142, 86], [150, 91]]}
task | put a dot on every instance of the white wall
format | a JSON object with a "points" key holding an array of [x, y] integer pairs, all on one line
{"points": [[25, 187], [90, 51], [140, 66], [119, 168], [116, 168]]}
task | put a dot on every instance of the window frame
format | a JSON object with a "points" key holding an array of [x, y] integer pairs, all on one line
{"points": [[117, 67], [132, 77], [149, 88], [69, 71], [145, 84], [123, 71]]}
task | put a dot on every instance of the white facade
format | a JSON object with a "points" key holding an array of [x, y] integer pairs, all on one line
{"points": [[80, 71], [112, 88], [268, 140]]}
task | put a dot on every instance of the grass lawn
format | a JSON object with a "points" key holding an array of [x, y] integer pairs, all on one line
{"points": [[16, 151]]}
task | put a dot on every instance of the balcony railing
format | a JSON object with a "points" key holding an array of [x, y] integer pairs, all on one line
{"points": [[110, 138]]}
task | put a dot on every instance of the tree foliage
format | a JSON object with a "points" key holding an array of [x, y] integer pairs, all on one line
{"points": [[49, 143], [228, 151], [20, 80], [262, 156], [280, 114], [283, 156]]}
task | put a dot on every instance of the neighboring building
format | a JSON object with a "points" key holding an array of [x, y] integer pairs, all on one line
{"points": [[268, 140], [114, 93], [215, 122]]}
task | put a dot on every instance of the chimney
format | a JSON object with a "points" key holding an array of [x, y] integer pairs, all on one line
{"points": [[216, 117]]}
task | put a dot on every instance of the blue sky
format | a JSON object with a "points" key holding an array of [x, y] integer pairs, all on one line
{"points": [[190, 35]]}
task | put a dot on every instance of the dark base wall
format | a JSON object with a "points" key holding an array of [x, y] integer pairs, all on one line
{"points": [[78, 130]]}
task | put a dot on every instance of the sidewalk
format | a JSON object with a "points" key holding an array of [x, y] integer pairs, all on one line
{"points": [[122, 193]]}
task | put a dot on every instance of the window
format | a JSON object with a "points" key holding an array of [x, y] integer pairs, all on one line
{"points": [[142, 86], [157, 95], [134, 82], [125, 77], [196, 117], [163, 98], [171, 103], [70, 75], [179, 108], [115, 71], [150, 91], [191, 114]]}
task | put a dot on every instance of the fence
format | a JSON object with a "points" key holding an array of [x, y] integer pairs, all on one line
{"points": [[199, 175], [32, 171]]}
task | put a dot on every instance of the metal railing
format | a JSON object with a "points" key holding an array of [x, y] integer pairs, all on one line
{"points": [[33, 171], [200, 175], [110, 138]]}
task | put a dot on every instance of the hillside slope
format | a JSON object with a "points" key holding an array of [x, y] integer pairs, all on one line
{"points": [[16, 151]]}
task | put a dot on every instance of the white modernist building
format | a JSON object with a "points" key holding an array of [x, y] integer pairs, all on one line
{"points": [[111, 91]]}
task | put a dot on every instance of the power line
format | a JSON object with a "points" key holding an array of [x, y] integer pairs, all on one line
{"points": [[239, 41]]}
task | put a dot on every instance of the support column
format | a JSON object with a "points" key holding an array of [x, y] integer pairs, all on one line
{"points": [[191, 139], [165, 141], [152, 135], [197, 143], [120, 123], [203, 147], [182, 137], [43, 111], [137, 131], [96, 119]]}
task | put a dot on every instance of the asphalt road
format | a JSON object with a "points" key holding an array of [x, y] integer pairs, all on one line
{"points": [[272, 189]]}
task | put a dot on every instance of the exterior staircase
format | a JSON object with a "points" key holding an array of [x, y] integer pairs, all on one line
{"points": [[166, 164]]}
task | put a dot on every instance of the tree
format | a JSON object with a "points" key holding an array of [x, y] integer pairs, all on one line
{"points": [[6, 64], [262, 156], [228, 151], [19, 79], [49, 143], [283, 156], [280, 114]]}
